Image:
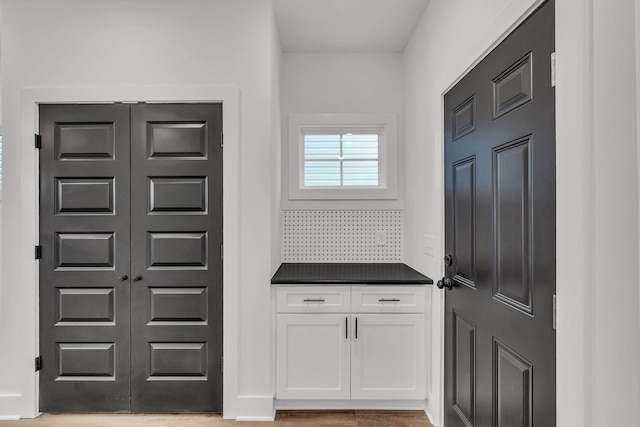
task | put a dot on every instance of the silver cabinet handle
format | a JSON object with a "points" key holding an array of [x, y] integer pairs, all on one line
{"points": [[389, 300], [314, 300]]}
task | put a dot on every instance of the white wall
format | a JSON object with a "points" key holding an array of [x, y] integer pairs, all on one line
{"points": [[276, 196], [637, 40], [0, 251], [276, 140], [574, 207], [141, 44], [0, 191], [598, 333], [597, 242], [615, 335], [341, 83]]}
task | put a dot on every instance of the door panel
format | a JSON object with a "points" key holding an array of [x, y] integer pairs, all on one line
{"points": [[500, 231], [464, 364], [131, 322], [512, 393], [180, 194], [176, 223], [512, 211], [84, 196], [84, 234], [464, 217]]}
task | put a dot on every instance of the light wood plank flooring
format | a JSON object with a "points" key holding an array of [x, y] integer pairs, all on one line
{"points": [[283, 419]]}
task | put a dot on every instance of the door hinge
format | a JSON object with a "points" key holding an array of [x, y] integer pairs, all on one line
{"points": [[38, 363], [221, 139], [222, 251], [38, 141], [222, 364], [553, 69], [38, 252], [555, 310]]}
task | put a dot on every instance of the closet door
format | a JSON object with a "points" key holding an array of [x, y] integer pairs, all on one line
{"points": [[176, 255], [85, 263], [131, 266]]}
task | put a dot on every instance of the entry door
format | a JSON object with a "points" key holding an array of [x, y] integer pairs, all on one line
{"points": [[500, 235], [131, 270]]}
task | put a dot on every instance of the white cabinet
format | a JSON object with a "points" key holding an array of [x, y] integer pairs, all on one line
{"points": [[388, 357], [350, 342], [312, 356]]}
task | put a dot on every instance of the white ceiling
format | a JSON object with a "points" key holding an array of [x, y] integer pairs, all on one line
{"points": [[346, 26]]}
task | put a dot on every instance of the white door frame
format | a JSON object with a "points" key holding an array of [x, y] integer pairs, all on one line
{"points": [[27, 271]]}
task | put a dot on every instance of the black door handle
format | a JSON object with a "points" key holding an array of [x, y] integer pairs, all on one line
{"points": [[137, 278], [123, 278], [445, 282]]}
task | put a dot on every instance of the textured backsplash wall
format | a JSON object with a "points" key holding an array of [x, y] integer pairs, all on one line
{"points": [[342, 236]]}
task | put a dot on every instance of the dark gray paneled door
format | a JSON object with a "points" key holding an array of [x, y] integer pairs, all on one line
{"points": [[84, 233], [500, 235], [131, 269], [176, 262]]}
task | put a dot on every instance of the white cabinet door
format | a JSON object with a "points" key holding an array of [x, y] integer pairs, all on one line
{"points": [[312, 356], [388, 356]]}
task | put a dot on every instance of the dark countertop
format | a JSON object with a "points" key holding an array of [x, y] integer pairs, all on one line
{"points": [[348, 273]]}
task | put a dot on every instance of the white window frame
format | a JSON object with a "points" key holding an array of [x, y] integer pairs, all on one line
{"points": [[385, 125]]}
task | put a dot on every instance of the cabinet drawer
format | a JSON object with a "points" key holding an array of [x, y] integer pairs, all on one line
{"points": [[326, 299], [387, 299]]}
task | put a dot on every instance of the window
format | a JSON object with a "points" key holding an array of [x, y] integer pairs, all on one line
{"points": [[342, 156], [344, 159]]}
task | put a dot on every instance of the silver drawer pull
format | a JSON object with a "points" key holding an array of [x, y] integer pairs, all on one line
{"points": [[314, 300], [389, 300]]}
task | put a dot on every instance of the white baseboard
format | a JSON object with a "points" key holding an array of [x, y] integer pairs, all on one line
{"points": [[255, 408], [9, 404], [434, 422], [259, 419], [290, 404]]}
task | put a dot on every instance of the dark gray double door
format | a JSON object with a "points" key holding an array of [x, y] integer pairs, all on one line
{"points": [[131, 270], [500, 235]]}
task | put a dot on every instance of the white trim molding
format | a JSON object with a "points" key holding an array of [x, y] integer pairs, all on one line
{"points": [[256, 408], [365, 404], [9, 407]]}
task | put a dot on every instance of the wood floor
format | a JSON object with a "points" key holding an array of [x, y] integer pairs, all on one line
{"points": [[283, 419]]}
